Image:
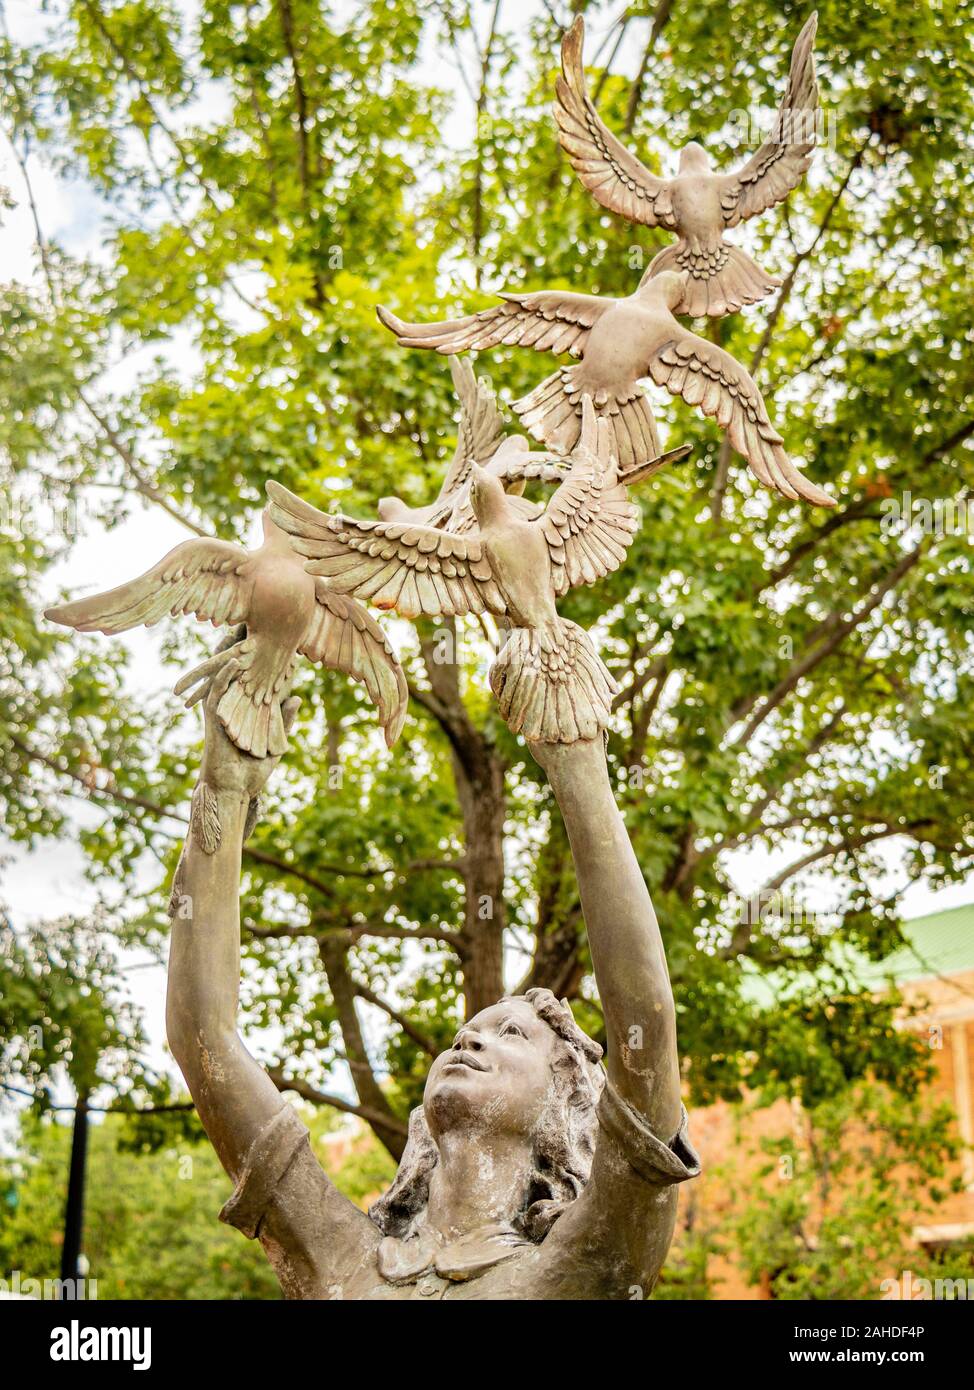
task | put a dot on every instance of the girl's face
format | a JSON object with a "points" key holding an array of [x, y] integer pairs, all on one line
{"points": [[496, 1077]]}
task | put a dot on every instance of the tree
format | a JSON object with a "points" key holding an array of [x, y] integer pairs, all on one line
{"points": [[151, 1231], [270, 173], [829, 1215], [66, 1021]]}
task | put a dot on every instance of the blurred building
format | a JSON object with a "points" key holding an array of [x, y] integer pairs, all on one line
{"points": [[934, 971]]}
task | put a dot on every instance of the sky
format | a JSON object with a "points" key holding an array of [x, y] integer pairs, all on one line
{"points": [[50, 880]]}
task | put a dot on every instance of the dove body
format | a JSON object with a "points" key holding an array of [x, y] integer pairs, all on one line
{"points": [[285, 611], [625, 337], [699, 204], [548, 678], [517, 551]]}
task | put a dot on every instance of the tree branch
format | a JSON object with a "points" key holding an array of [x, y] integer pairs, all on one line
{"points": [[367, 1088], [723, 458], [839, 631], [661, 17], [316, 1097], [421, 1040], [143, 486]]}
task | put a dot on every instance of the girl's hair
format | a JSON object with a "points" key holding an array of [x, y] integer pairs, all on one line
{"points": [[564, 1143]]}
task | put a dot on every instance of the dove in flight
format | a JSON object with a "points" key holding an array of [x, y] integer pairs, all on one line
{"points": [[699, 204], [482, 439], [286, 612], [620, 341], [550, 683]]}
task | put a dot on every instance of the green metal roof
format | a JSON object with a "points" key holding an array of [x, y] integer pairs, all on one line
{"points": [[939, 944]]}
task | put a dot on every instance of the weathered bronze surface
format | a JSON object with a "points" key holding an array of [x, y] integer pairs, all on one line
{"points": [[286, 613], [698, 204], [535, 1168], [530, 1171]]}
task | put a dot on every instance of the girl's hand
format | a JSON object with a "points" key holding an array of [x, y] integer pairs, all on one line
{"points": [[225, 768]]}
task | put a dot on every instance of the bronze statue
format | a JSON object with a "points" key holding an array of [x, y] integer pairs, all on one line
{"points": [[530, 1171], [483, 440], [549, 680], [619, 341], [698, 204], [286, 613]]}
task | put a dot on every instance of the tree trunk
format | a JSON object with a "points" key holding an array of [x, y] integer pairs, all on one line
{"points": [[480, 791], [370, 1093], [478, 773], [558, 962]]}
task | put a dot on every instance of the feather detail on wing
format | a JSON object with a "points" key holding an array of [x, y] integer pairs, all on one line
{"points": [[709, 378], [537, 467], [413, 569], [589, 522], [344, 637], [777, 167], [481, 426], [547, 320], [208, 578], [613, 176], [552, 412]]}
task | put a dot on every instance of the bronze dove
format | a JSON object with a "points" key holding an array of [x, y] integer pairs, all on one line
{"points": [[620, 341], [548, 678], [699, 204], [286, 612], [482, 439]]}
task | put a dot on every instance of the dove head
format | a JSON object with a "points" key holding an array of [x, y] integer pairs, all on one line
{"points": [[694, 159], [393, 509], [272, 533], [670, 286], [487, 497]]}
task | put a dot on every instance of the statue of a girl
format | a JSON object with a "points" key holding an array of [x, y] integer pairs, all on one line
{"points": [[531, 1170]]}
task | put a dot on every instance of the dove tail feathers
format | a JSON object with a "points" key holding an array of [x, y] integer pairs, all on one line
{"points": [[552, 413], [722, 279], [254, 726], [250, 708], [551, 685]]}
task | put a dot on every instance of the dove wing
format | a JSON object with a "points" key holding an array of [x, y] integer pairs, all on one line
{"points": [[613, 176], [413, 569], [707, 377], [536, 467], [344, 637], [208, 578], [589, 522], [547, 320], [777, 167], [481, 426]]}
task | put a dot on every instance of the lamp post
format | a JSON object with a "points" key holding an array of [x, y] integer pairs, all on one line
{"points": [[74, 1208]]}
